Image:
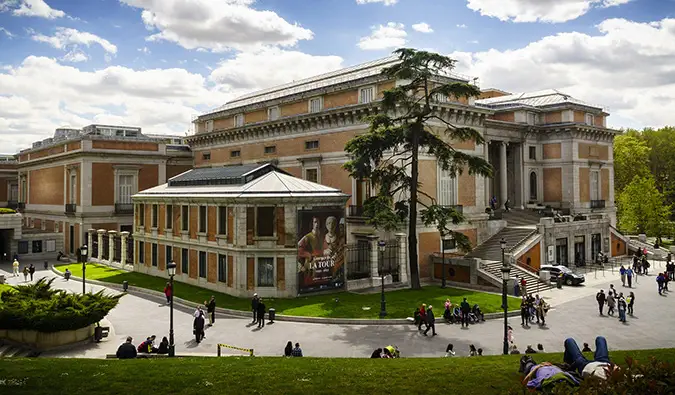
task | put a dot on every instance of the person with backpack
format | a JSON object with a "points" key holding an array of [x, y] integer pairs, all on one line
{"points": [[660, 281], [622, 308], [601, 298]]}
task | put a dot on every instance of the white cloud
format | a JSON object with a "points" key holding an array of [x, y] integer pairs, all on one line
{"points": [[36, 8], [391, 35], [462, 26], [40, 94], [627, 66], [553, 11], [422, 27], [217, 25], [75, 56], [252, 71], [473, 42], [6, 32], [386, 2], [66, 38], [145, 50]]}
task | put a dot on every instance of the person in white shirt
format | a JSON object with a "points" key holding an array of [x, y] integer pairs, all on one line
{"points": [[600, 366], [15, 268], [449, 352]]}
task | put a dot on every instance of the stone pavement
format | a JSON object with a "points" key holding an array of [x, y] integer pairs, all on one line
{"points": [[574, 314]]}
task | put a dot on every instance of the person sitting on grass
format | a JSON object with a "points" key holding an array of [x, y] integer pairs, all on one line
{"points": [[480, 352], [544, 375], [297, 351], [600, 366], [377, 353], [126, 350], [530, 350], [449, 352], [163, 346], [586, 348], [147, 346]]}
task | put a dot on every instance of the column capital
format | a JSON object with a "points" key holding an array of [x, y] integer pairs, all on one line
{"points": [[101, 231], [124, 234], [112, 232]]}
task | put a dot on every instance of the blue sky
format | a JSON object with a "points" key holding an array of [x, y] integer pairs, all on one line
{"points": [[79, 61]]}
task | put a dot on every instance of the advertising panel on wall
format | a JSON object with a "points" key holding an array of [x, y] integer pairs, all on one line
{"points": [[321, 250]]}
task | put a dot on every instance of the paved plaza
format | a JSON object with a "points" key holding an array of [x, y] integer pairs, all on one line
{"points": [[575, 314]]}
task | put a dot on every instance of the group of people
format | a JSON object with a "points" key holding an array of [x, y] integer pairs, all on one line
{"points": [[127, 350], [640, 263], [615, 300], [531, 308], [291, 351], [199, 323], [576, 366], [27, 270], [386, 352], [462, 313], [258, 307]]}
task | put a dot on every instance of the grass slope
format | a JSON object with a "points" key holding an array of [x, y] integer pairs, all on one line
{"points": [[237, 375], [400, 303]]}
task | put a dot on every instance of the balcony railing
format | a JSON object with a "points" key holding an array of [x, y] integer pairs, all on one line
{"points": [[458, 207], [13, 204], [597, 204], [124, 208], [355, 211], [71, 208]]}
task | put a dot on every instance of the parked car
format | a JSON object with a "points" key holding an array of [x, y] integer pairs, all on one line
{"points": [[569, 277]]}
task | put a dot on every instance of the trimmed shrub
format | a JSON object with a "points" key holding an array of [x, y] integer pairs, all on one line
{"points": [[5, 210], [40, 307]]}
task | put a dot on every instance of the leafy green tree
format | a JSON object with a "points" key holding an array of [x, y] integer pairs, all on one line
{"points": [[661, 143], [388, 154], [642, 208], [631, 158]]}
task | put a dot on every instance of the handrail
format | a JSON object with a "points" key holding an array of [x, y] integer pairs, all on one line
{"points": [[523, 240]]}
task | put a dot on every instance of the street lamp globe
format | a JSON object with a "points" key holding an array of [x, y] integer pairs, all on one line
{"points": [[502, 243], [171, 268], [506, 273], [382, 245], [83, 250]]}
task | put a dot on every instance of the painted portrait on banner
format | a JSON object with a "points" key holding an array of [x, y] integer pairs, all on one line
{"points": [[321, 246]]}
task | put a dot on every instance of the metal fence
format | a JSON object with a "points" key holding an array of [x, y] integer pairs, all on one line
{"points": [[106, 249], [389, 260], [117, 254], [358, 260], [130, 250], [94, 246]]}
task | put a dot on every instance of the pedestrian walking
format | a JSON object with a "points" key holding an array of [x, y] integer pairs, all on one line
{"points": [[516, 287], [31, 271], [211, 310], [15, 268], [26, 272], [611, 303], [622, 308], [254, 308], [465, 309], [631, 301], [601, 298], [198, 326], [622, 271], [629, 277], [659, 282], [423, 317], [542, 309], [524, 311], [168, 292], [431, 322], [261, 313]]}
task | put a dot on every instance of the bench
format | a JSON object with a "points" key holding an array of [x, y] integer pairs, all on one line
{"points": [[101, 332]]}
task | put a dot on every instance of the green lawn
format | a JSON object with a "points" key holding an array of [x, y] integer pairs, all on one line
{"points": [[243, 375], [400, 303]]}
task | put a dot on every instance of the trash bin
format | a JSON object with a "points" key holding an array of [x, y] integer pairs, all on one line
{"points": [[559, 282], [125, 286], [98, 334], [46, 265], [272, 315]]}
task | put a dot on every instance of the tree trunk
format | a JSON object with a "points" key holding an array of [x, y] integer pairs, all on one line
{"points": [[412, 220]]}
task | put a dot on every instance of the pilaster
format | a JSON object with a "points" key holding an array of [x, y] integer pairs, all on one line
{"points": [[111, 249], [100, 232], [124, 236]]}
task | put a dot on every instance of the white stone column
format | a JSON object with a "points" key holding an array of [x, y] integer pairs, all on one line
{"points": [[503, 183], [111, 249], [374, 258], [403, 267], [101, 232], [90, 241], [123, 244]]}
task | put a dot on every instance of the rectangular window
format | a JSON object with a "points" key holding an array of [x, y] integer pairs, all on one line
{"points": [[235, 153], [168, 222], [169, 254], [265, 221], [202, 219], [533, 152], [532, 118], [209, 126], [590, 119], [24, 190], [273, 113], [222, 220], [141, 252], [153, 253], [271, 149], [447, 188], [154, 215], [22, 247], [449, 244], [595, 185], [311, 144], [202, 264], [185, 218], [265, 272], [37, 246], [125, 188], [312, 175], [440, 98], [238, 120], [366, 95], [206, 156], [141, 214], [222, 268], [316, 104], [73, 188], [184, 260]]}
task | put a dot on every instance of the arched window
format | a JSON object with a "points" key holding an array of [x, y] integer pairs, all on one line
{"points": [[533, 186]]}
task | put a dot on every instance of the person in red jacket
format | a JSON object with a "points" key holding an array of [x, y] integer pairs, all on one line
{"points": [[423, 317], [168, 292]]}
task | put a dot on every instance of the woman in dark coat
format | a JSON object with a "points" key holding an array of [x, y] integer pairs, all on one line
{"points": [[199, 326], [288, 349], [163, 346]]}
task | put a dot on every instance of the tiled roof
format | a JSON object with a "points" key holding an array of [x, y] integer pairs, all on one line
{"points": [[545, 98], [226, 175]]}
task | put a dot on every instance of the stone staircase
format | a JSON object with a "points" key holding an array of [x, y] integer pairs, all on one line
{"points": [[534, 284], [9, 350], [491, 249], [521, 218]]}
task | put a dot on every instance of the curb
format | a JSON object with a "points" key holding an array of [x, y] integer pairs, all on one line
{"points": [[279, 317]]}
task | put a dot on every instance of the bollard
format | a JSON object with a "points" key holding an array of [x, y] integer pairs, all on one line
{"points": [[125, 286], [46, 265]]}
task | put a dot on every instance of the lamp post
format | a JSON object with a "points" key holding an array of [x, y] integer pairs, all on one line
{"points": [[382, 247], [447, 237], [171, 268], [506, 274], [83, 258]]}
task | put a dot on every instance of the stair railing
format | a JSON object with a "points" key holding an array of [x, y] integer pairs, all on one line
{"points": [[523, 240]]}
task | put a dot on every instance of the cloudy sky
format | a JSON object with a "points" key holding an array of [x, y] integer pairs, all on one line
{"points": [[158, 63]]}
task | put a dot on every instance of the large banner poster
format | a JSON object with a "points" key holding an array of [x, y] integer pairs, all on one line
{"points": [[321, 250]]}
